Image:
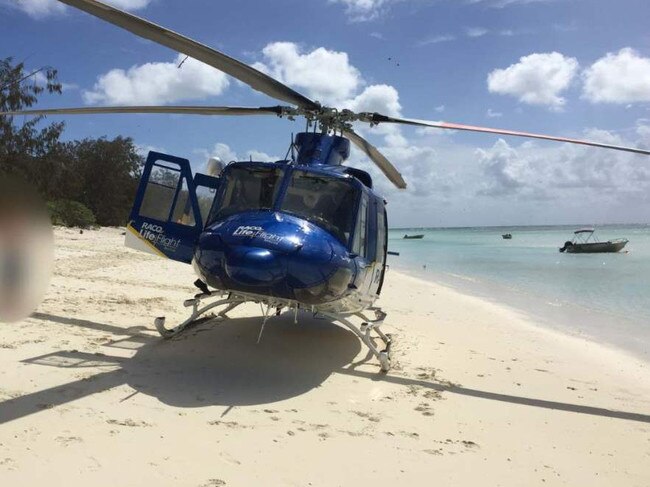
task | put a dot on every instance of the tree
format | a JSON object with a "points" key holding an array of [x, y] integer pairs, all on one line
{"points": [[21, 144], [109, 171], [101, 174]]}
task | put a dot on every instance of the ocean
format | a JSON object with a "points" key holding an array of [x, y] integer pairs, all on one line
{"points": [[602, 297]]}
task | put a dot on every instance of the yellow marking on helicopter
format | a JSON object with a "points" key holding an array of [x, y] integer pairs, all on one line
{"points": [[150, 246]]}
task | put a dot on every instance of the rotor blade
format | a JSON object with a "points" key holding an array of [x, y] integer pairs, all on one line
{"points": [[181, 110], [143, 28], [377, 157], [377, 118]]}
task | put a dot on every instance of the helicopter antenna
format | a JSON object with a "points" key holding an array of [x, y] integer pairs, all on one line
{"points": [[182, 62], [291, 150]]}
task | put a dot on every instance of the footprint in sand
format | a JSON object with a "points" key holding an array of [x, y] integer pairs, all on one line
{"points": [[431, 451], [128, 422], [68, 440], [228, 424], [9, 463], [214, 483], [367, 416], [425, 409]]}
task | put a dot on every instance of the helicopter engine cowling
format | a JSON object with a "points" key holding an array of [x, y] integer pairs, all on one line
{"points": [[275, 254]]}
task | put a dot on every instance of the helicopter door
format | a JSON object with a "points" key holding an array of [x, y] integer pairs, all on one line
{"points": [[370, 244], [373, 251], [166, 218], [381, 246], [362, 245]]}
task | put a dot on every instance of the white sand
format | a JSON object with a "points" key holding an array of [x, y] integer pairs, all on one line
{"points": [[89, 395]]}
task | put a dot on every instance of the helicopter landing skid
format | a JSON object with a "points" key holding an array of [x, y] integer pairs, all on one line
{"points": [[364, 333], [197, 314]]}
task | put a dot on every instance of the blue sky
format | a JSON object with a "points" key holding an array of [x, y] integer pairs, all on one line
{"points": [[565, 67]]}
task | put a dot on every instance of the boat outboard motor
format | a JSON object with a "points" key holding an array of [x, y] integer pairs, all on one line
{"points": [[567, 244]]}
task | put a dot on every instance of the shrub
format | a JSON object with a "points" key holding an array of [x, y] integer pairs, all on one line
{"points": [[71, 214]]}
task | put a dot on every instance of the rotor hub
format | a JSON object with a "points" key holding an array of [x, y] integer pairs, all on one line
{"points": [[329, 119]]}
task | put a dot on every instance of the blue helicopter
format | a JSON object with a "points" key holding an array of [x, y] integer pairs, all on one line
{"points": [[304, 233]]}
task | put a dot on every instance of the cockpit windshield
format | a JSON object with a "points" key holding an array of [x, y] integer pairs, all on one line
{"points": [[325, 201], [249, 188]]}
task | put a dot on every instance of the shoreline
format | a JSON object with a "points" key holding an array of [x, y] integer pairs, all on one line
{"points": [[530, 320], [478, 394], [562, 317]]}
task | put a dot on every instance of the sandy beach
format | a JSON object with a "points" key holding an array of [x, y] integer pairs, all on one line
{"points": [[478, 394]]}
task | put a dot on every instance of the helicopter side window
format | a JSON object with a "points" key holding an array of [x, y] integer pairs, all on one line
{"points": [[249, 189], [205, 196], [166, 197], [183, 213], [360, 232], [324, 201]]}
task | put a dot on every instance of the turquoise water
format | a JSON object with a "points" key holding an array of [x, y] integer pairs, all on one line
{"points": [[600, 296]]}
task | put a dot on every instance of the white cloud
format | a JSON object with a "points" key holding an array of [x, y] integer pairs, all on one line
{"points": [[476, 31], [342, 87], [504, 169], [304, 71], [376, 98], [508, 182], [436, 40], [556, 171], [363, 10], [227, 154], [537, 79], [492, 114], [440, 108], [42, 8], [643, 131], [623, 77], [37, 8], [157, 83]]}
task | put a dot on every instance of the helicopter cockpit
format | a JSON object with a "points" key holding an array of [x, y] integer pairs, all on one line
{"points": [[324, 200]]}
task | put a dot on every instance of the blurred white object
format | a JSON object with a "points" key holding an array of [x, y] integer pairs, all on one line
{"points": [[26, 249]]}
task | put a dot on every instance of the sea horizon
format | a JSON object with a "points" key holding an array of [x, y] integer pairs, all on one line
{"points": [[555, 225]]}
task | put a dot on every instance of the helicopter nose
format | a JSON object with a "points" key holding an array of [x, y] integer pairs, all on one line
{"points": [[253, 266]]}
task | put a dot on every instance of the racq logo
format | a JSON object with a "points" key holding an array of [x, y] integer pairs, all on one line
{"points": [[254, 231], [156, 235]]}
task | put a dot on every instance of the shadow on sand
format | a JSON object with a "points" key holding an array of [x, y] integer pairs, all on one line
{"points": [[223, 365], [218, 364]]}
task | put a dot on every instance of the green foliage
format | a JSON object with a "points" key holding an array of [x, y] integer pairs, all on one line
{"points": [[100, 174], [71, 214], [19, 90]]}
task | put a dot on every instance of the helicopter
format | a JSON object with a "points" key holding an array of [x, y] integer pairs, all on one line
{"points": [[304, 233]]}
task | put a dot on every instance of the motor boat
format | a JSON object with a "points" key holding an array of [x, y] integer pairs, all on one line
{"points": [[585, 242]]}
